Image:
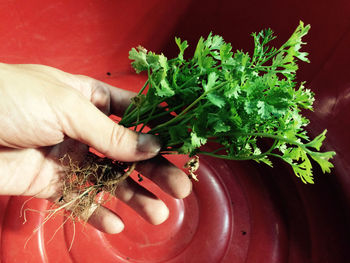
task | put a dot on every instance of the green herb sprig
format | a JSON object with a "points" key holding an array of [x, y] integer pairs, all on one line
{"points": [[232, 99]]}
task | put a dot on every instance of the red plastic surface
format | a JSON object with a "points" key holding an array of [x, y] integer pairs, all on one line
{"points": [[238, 212]]}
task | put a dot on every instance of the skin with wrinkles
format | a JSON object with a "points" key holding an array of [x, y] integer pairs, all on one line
{"points": [[47, 113]]}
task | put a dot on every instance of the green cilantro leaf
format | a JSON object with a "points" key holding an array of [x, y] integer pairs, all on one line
{"points": [[235, 100]]}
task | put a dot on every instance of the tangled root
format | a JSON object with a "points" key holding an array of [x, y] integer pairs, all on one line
{"points": [[89, 184], [86, 183], [92, 182]]}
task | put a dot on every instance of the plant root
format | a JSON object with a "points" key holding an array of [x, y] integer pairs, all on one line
{"points": [[88, 185], [85, 184]]}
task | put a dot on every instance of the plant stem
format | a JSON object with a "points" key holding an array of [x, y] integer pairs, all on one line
{"points": [[175, 119], [251, 157], [123, 177], [148, 118], [191, 79], [227, 157], [156, 116], [131, 104], [272, 136]]}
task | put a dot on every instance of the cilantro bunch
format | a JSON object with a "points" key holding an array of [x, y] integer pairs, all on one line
{"points": [[237, 101]]}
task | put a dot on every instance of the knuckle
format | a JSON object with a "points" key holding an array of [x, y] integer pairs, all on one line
{"points": [[118, 136], [100, 96]]}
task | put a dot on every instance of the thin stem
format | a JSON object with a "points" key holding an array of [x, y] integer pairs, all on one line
{"points": [[149, 118], [191, 79], [148, 82], [188, 108], [280, 157], [184, 119], [140, 110], [251, 157], [272, 136], [227, 157], [131, 104], [124, 176], [161, 114], [137, 118], [280, 138], [219, 149]]}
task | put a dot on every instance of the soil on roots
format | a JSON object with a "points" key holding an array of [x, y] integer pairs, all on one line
{"points": [[90, 183]]}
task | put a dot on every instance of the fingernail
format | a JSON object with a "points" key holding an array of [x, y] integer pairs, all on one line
{"points": [[148, 143]]}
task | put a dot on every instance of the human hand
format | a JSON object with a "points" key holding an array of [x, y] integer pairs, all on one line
{"points": [[46, 113]]}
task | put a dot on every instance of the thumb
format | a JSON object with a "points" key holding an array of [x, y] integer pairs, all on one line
{"points": [[82, 121]]}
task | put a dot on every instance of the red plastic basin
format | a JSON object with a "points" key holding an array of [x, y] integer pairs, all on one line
{"points": [[238, 211]]}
